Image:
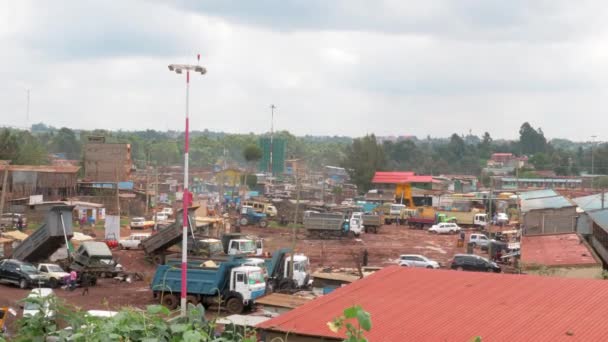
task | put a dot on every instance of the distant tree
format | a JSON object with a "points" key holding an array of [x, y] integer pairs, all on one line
{"points": [[363, 158], [531, 141], [9, 145], [252, 153], [541, 161], [485, 146], [31, 151], [457, 146], [64, 141]]}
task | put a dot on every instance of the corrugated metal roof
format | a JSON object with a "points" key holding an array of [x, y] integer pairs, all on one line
{"points": [[399, 177], [600, 217], [591, 202], [556, 250], [409, 304], [43, 168], [282, 300], [538, 194], [545, 203]]}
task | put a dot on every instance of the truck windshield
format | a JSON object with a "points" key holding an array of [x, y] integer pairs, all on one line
{"points": [[247, 246], [28, 269], [54, 268], [255, 277]]}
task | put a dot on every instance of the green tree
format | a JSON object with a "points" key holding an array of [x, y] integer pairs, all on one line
{"points": [[9, 145], [531, 141], [485, 146], [31, 151], [64, 141], [252, 155], [363, 158]]}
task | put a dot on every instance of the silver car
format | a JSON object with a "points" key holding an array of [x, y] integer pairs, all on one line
{"points": [[416, 260]]}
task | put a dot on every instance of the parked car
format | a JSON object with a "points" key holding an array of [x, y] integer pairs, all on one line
{"points": [[140, 223], [445, 228], [502, 219], [55, 273], [479, 240], [12, 220], [161, 217], [416, 260], [472, 262], [133, 241], [31, 305], [21, 273]]}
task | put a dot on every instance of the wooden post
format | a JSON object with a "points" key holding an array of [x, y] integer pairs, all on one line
{"points": [[4, 181]]}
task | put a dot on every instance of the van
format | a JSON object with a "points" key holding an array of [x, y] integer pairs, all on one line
{"points": [[261, 207], [479, 240]]}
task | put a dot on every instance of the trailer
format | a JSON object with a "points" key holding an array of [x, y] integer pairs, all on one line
{"points": [[229, 284], [371, 223], [465, 218], [156, 246], [327, 225], [49, 237]]}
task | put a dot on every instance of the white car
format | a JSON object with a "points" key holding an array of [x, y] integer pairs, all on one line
{"points": [[55, 273], [479, 240], [161, 217], [416, 260], [445, 228], [133, 241], [502, 219], [31, 305]]}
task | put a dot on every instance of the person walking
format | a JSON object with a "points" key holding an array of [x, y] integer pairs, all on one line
{"points": [[73, 279]]}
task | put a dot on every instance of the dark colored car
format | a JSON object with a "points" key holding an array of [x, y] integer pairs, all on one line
{"points": [[21, 273], [472, 262]]}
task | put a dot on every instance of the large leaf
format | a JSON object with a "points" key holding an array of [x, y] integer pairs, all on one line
{"points": [[365, 320], [351, 312]]}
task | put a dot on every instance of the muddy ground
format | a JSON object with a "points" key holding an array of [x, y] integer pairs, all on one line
{"points": [[383, 248]]}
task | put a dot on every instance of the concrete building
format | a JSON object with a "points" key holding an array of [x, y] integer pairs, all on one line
{"points": [[563, 255], [107, 162], [547, 212], [513, 183], [412, 304]]}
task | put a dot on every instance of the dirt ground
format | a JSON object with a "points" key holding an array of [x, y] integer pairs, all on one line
{"points": [[383, 249]]}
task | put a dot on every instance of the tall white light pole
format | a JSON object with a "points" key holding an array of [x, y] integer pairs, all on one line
{"points": [[178, 68], [592, 161]]}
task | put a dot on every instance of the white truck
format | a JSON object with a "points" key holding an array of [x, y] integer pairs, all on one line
{"points": [[133, 241], [55, 273]]}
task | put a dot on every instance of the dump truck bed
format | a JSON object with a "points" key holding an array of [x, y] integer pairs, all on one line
{"points": [[324, 221], [167, 237], [201, 280], [49, 237]]}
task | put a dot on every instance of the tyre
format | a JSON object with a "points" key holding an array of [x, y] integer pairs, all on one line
{"points": [[429, 267], [158, 259], [243, 221], [23, 283], [170, 301], [53, 283], [234, 305], [286, 284], [192, 300], [263, 223]]}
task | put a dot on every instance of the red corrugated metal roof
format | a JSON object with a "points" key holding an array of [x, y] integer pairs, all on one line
{"points": [[409, 304], [399, 177], [556, 250]]}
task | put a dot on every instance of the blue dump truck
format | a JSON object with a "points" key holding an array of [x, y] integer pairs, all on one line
{"points": [[227, 284]]}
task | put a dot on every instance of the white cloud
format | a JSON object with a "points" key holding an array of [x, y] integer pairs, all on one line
{"points": [[346, 68]]}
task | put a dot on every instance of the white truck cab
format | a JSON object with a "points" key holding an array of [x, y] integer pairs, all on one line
{"points": [[301, 269], [248, 281], [242, 246], [133, 241], [480, 220]]}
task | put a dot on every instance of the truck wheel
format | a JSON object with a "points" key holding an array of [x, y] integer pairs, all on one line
{"points": [[192, 300], [234, 305], [263, 223], [23, 284], [286, 284], [243, 221], [170, 301], [158, 259], [53, 283]]}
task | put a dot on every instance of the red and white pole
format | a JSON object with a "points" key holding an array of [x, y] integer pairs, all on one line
{"points": [[185, 200]]}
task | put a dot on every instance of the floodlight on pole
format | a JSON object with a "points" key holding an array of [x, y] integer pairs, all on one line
{"points": [[186, 198]]}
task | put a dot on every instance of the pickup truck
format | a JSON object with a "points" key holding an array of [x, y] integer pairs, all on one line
{"points": [[140, 223], [133, 241], [54, 272]]}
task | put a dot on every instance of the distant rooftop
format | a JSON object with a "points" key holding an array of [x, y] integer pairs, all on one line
{"points": [[42, 168], [399, 177], [556, 250], [591, 202]]}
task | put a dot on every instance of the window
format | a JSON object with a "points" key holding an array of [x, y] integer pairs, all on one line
{"points": [[234, 245], [43, 269], [240, 278]]}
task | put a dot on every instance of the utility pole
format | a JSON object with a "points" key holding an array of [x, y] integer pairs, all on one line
{"points": [[178, 68], [272, 107], [295, 223], [592, 162], [27, 111], [4, 185], [147, 186]]}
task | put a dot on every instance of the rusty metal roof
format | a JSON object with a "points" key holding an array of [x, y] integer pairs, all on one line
{"points": [[556, 250], [409, 304], [43, 168]]}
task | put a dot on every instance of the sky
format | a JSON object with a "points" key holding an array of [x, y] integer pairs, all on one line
{"points": [[343, 67]]}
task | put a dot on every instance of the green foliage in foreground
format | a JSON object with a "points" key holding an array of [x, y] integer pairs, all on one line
{"points": [[152, 325]]}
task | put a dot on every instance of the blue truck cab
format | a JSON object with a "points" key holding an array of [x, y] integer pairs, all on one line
{"points": [[228, 283]]}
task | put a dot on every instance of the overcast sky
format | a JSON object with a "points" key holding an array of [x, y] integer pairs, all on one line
{"points": [[331, 67]]}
